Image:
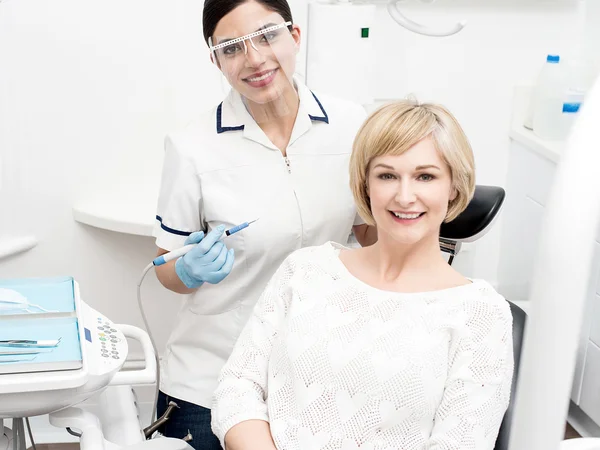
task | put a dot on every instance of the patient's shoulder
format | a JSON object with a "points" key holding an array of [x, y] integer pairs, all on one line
{"points": [[316, 254], [483, 291], [484, 304], [315, 259]]}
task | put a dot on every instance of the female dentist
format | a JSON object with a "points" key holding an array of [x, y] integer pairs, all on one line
{"points": [[272, 150]]}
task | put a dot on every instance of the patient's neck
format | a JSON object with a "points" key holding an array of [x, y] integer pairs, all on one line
{"points": [[416, 267]]}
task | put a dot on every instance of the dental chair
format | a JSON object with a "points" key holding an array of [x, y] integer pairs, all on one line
{"points": [[474, 222]]}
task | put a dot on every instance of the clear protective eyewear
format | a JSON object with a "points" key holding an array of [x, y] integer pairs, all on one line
{"points": [[264, 41]]}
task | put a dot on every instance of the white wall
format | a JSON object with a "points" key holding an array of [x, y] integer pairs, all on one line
{"points": [[592, 35], [89, 89]]}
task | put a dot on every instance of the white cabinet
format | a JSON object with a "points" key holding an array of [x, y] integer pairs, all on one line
{"points": [[595, 319], [590, 391], [531, 172], [529, 181], [586, 381]]}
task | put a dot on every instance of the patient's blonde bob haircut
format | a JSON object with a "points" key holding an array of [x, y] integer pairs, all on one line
{"points": [[393, 129]]}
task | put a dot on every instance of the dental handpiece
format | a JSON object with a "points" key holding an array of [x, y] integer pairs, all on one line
{"points": [[163, 259]]}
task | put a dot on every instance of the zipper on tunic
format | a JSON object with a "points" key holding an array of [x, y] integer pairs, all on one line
{"points": [[287, 163], [289, 168]]}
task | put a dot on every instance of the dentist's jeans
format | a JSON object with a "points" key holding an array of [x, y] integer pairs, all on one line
{"points": [[188, 417]]}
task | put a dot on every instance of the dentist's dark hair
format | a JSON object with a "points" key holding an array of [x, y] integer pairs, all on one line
{"points": [[215, 10]]}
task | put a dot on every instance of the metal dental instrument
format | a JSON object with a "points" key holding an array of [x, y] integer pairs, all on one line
{"points": [[149, 431], [11, 359], [32, 351], [29, 343]]}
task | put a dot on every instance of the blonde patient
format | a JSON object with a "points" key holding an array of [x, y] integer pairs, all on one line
{"points": [[381, 347]]}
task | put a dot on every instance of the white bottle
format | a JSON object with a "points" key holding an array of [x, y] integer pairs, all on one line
{"points": [[548, 101], [548, 68]]}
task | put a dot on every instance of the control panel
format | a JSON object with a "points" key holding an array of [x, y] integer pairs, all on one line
{"points": [[106, 346]]}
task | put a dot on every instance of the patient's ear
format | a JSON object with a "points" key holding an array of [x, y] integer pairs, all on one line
{"points": [[453, 194]]}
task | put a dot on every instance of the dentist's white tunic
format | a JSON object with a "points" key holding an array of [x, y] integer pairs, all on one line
{"points": [[222, 169]]}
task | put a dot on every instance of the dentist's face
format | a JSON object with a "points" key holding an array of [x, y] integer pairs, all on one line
{"points": [[410, 193], [260, 69]]}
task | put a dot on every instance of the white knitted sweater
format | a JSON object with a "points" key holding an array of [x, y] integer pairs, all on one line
{"points": [[333, 363]]}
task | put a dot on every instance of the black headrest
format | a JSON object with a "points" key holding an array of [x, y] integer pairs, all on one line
{"points": [[474, 221]]}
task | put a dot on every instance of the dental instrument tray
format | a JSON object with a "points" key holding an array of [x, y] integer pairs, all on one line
{"points": [[57, 351], [39, 326]]}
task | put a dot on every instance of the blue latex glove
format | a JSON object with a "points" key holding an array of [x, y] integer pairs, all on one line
{"points": [[209, 261]]}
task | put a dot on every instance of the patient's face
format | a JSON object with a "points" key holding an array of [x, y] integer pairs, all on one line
{"points": [[410, 193]]}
